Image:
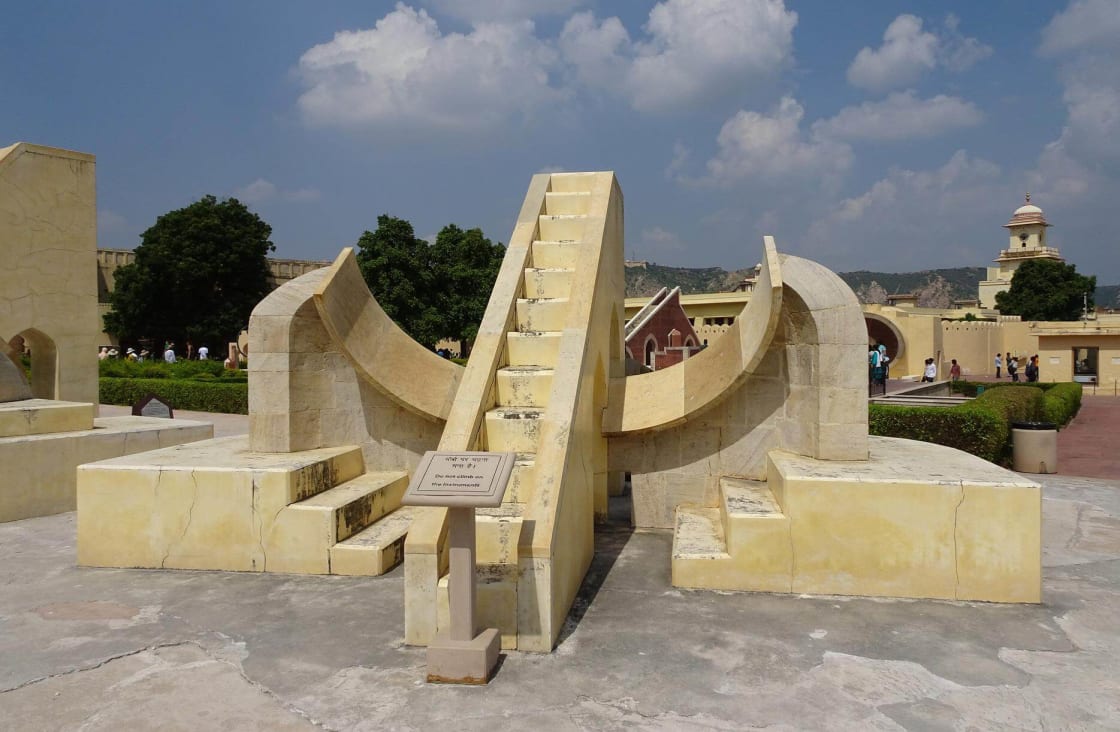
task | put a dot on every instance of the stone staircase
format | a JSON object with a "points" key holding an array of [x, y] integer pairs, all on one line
{"points": [[217, 505], [523, 389], [742, 544]]}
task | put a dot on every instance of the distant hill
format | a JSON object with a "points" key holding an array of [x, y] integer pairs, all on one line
{"points": [[964, 281], [646, 279]]}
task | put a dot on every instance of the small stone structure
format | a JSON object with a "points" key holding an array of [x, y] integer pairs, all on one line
{"points": [[48, 304], [753, 452]]}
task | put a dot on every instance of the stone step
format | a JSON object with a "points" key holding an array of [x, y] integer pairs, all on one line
{"points": [[542, 283], [750, 516], [565, 227], [533, 348], [25, 417], [555, 254], [495, 601], [376, 549], [699, 534], [307, 480], [567, 202], [571, 182], [523, 386], [303, 533], [497, 531], [545, 314], [522, 479], [513, 429]]}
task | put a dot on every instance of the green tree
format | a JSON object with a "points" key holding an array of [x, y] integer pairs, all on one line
{"points": [[1046, 289], [397, 268], [432, 291], [198, 274], [466, 265]]}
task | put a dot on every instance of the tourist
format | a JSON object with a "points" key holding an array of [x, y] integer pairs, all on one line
{"points": [[930, 372], [955, 371], [169, 353], [203, 352], [103, 353], [885, 362], [998, 364], [190, 349], [1013, 368], [144, 355], [130, 354], [1032, 369]]}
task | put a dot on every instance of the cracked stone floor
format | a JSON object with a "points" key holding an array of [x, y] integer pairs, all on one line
{"points": [[99, 649]]}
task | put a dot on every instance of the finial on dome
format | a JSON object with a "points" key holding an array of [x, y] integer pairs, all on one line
{"points": [[1028, 197]]}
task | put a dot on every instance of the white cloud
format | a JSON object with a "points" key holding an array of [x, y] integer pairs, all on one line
{"points": [[490, 10], [1083, 25], [752, 144], [901, 116], [908, 51], [919, 218], [405, 73], [692, 50], [261, 191]]}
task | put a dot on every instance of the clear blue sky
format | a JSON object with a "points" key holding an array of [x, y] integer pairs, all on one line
{"points": [[892, 135]]}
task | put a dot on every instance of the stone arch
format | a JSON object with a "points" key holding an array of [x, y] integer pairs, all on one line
{"points": [[881, 330], [44, 363]]}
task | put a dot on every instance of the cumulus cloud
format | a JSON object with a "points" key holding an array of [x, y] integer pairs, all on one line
{"points": [[774, 145], [901, 116], [490, 10], [692, 50], [1085, 24], [261, 191], [908, 51], [404, 72], [1085, 39], [919, 218]]}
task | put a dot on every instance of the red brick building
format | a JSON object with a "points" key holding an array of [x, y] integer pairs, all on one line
{"points": [[660, 334]]}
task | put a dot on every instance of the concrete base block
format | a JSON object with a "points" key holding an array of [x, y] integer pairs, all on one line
{"points": [[463, 662]]}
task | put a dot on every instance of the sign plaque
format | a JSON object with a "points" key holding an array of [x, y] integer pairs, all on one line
{"points": [[460, 479], [152, 406]]}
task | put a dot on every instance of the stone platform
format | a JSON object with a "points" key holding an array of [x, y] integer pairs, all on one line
{"points": [[914, 520], [39, 469], [216, 504], [111, 649]]}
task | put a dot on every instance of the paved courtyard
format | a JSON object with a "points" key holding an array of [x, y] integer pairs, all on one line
{"points": [[101, 649]]}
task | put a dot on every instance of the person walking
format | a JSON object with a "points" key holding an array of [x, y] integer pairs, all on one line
{"points": [[169, 353], [955, 371], [1013, 368], [1032, 370], [203, 352], [999, 363]]}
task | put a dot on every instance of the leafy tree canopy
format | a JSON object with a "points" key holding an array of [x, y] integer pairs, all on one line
{"points": [[432, 291], [1046, 289], [198, 274]]}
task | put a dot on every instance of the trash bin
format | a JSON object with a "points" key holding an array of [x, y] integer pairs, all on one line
{"points": [[1034, 447]]}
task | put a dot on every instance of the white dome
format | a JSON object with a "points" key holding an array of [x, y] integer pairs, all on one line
{"points": [[1030, 208]]}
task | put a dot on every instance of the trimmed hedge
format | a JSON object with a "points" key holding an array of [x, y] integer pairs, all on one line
{"points": [[981, 427], [195, 395], [1061, 403], [155, 369]]}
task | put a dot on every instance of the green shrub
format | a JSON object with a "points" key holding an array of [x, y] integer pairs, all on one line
{"points": [[1061, 403], [122, 368], [981, 427], [190, 394]]}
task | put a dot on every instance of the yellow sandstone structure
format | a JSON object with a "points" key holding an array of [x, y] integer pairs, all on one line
{"points": [[753, 452], [48, 305]]}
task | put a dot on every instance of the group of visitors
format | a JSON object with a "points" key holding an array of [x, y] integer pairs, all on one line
{"points": [[1012, 364], [131, 354]]}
